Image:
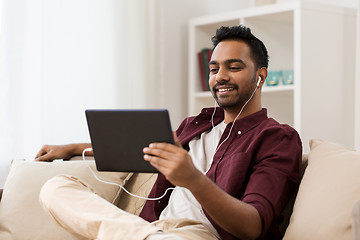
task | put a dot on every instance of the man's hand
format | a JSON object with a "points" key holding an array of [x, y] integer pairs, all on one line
{"points": [[238, 218], [173, 162], [49, 153]]}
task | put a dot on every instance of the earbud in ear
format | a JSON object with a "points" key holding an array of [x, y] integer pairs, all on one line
{"points": [[258, 83]]}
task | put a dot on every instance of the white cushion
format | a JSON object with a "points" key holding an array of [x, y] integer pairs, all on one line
{"points": [[21, 216], [327, 193]]}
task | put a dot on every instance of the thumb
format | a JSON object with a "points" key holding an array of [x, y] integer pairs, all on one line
{"points": [[43, 158], [40, 159], [176, 140]]}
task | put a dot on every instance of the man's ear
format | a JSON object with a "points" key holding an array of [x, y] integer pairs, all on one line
{"points": [[262, 73]]}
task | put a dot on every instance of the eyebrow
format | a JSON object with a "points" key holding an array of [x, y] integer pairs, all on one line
{"points": [[233, 60]]}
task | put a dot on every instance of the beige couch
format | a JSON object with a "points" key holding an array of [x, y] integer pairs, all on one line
{"points": [[326, 205]]}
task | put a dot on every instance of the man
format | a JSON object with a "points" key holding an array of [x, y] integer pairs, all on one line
{"points": [[233, 167]]}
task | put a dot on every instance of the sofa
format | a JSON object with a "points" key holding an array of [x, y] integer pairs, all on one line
{"points": [[326, 205]]}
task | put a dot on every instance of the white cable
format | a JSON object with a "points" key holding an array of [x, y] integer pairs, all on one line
{"points": [[158, 198], [115, 184], [232, 125], [213, 114]]}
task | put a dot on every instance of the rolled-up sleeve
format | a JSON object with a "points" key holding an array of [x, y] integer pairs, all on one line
{"points": [[275, 174]]}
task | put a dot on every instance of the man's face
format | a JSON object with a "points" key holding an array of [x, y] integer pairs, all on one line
{"points": [[232, 74]]}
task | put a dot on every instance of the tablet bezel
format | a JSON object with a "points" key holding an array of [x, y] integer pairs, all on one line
{"points": [[119, 135]]}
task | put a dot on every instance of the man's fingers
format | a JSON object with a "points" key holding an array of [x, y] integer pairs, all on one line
{"points": [[43, 151], [164, 154], [43, 158], [157, 162], [160, 168], [40, 153], [166, 147], [43, 155]]}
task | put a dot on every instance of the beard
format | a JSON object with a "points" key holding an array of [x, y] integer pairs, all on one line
{"points": [[241, 97]]}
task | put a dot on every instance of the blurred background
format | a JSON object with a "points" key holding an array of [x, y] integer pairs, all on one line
{"points": [[60, 57]]}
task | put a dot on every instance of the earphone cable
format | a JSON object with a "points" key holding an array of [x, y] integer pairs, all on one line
{"points": [[115, 184], [232, 125]]}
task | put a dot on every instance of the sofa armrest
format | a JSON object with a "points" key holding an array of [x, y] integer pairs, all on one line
{"points": [[356, 220], [71, 159]]}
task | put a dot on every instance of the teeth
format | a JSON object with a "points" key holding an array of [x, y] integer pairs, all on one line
{"points": [[225, 89]]}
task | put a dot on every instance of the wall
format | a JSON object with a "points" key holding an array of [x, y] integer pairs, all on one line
{"points": [[176, 17], [58, 58], [175, 31], [357, 86], [46, 60], [343, 3]]}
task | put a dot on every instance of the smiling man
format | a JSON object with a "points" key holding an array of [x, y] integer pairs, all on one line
{"points": [[233, 77], [233, 167]]}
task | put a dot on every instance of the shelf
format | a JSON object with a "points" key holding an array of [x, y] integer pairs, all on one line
{"points": [[279, 88], [290, 31]]}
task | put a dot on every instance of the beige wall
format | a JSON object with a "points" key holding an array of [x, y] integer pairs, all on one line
{"points": [[175, 31], [357, 85], [176, 15]]}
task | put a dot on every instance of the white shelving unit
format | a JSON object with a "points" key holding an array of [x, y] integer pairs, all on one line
{"points": [[317, 41]]}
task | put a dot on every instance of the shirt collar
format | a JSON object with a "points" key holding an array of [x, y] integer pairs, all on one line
{"points": [[247, 123], [241, 125]]}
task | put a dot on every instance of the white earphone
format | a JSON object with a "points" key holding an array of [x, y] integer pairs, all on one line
{"points": [[258, 83]]}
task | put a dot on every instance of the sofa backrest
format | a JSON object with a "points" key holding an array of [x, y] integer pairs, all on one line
{"points": [[141, 184]]}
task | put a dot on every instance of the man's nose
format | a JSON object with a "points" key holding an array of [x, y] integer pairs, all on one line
{"points": [[221, 76]]}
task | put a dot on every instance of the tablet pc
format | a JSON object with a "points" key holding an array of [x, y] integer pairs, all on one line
{"points": [[119, 136]]}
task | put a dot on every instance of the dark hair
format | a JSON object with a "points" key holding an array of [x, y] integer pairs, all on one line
{"points": [[243, 33]]}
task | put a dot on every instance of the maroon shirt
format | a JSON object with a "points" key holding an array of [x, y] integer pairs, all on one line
{"points": [[259, 164]]}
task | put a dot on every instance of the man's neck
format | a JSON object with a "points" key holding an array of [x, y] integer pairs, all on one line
{"points": [[230, 115], [251, 107]]}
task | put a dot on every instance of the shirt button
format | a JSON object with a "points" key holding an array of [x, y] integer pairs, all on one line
{"points": [[239, 132], [196, 122]]}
